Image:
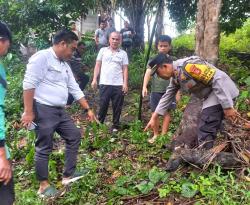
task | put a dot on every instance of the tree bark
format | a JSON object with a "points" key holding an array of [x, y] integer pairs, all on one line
{"points": [[207, 30], [207, 46], [160, 26], [137, 19]]}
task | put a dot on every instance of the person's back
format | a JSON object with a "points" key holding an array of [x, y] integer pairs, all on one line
{"points": [[158, 86]]}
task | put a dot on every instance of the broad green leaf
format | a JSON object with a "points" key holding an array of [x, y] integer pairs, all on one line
{"points": [[145, 187], [247, 81], [155, 175], [122, 191], [188, 190], [163, 192]]}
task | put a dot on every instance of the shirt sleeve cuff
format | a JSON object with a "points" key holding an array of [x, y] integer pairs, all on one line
{"points": [[78, 97], [226, 105], [28, 86]]}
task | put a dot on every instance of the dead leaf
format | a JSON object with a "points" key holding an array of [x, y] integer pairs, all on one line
{"points": [[248, 114], [116, 174], [246, 125], [244, 157]]}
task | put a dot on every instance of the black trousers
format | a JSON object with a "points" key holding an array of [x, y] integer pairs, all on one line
{"points": [[209, 124], [83, 81], [50, 120], [116, 95], [7, 195]]}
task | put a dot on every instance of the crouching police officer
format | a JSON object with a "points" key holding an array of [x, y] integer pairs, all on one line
{"points": [[196, 76]]}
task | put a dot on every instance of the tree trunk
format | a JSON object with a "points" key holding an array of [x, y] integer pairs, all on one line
{"points": [[160, 26], [207, 30], [149, 18], [138, 25], [207, 46]]}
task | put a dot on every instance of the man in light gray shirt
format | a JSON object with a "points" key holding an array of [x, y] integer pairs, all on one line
{"points": [[101, 36], [47, 82], [205, 81]]}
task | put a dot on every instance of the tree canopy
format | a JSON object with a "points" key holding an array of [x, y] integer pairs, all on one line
{"points": [[233, 13], [42, 16]]}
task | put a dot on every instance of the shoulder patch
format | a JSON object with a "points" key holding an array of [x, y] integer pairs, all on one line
{"points": [[200, 72]]}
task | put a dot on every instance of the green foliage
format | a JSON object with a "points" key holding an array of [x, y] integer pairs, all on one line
{"points": [[42, 17], [184, 41], [189, 190], [136, 70], [233, 14], [15, 72], [119, 165]]}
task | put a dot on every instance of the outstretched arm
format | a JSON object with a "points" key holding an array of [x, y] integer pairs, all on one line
{"points": [[146, 80]]}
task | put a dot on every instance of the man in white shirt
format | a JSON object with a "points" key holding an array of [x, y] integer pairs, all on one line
{"points": [[47, 82], [112, 65]]}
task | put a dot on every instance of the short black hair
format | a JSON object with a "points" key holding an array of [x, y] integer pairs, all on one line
{"points": [[65, 35], [81, 43], [163, 38], [5, 32], [158, 60], [102, 21]]}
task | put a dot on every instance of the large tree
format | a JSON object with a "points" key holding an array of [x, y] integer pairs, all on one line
{"points": [[136, 11], [207, 30], [233, 13]]}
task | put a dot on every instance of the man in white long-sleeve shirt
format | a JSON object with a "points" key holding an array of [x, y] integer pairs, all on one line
{"points": [[47, 82]]}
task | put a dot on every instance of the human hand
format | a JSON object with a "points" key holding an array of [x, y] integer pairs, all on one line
{"points": [[144, 92], [178, 97], [94, 84], [124, 89], [230, 114], [5, 167], [27, 119], [92, 117], [152, 122]]}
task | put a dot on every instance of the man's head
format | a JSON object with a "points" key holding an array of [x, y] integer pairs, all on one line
{"points": [[162, 65], [126, 24], [163, 44], [81, 47], [5, 38], [110, 22], [114, 40], [64, 44], [73, 26], [102, 25]]}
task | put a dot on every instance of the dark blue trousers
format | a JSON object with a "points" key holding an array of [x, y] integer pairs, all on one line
{"points": [[50, 120], [209, 124], [116, 96]]}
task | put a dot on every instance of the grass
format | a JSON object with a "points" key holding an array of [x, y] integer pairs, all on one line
{"points": [[124, 168]]}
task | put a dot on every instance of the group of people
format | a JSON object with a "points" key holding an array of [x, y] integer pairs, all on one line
{"points": [[49, 84], [106, 27]]}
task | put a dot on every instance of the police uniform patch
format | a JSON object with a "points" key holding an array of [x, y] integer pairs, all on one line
{"points": [[200, 72]]}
